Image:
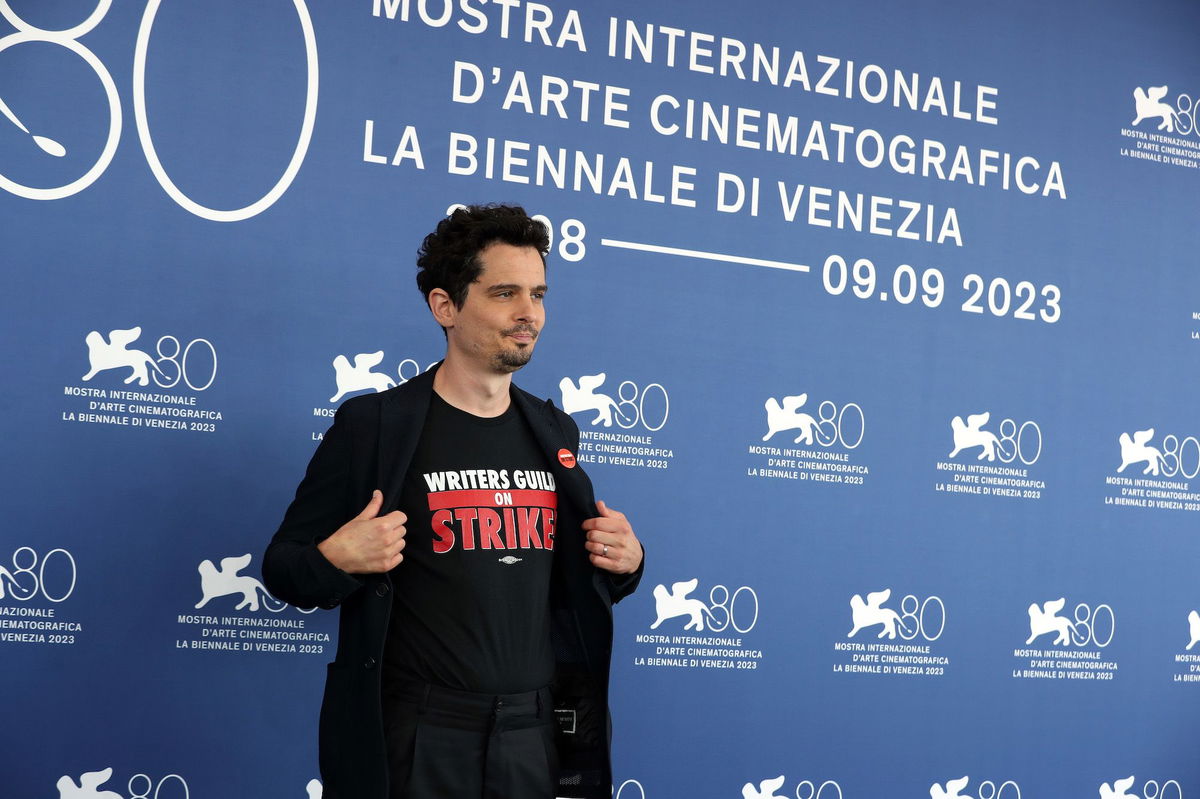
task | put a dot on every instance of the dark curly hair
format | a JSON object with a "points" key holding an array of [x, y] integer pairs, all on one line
{"points": [[448, 258]]}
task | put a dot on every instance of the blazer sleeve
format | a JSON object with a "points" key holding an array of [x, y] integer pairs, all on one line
{"points": [[622, 585], [294, 570], [619, 585]]}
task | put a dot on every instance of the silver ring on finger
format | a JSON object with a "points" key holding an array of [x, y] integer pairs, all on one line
{"points": [[604, 552]]}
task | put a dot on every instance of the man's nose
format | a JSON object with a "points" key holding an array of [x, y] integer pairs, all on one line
{"points": [[526, 309]]}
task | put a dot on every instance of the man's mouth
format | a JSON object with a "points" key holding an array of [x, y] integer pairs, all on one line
{"points": [[522, 333]]}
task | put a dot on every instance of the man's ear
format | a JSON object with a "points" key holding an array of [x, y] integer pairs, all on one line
{"points": [[442, 307]]}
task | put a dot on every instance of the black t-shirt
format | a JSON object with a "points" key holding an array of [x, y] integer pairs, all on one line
{"points": [[471, 599]]}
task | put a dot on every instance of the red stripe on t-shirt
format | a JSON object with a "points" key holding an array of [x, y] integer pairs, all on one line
{"points": [[524, 498]]}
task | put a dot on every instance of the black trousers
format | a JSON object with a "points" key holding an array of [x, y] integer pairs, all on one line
{"points": [[448, 744]]}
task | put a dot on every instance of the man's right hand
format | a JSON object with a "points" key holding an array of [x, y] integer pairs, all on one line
{"points": [[368, 543]]}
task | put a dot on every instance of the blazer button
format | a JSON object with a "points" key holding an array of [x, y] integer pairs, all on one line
{"points": [[369, 663], [381, 589]]}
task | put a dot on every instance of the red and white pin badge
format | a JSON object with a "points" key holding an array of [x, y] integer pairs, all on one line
{"points": [[566, 458]]}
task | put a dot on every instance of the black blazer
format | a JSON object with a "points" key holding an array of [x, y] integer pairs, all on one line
{"points": [[369, 446]]}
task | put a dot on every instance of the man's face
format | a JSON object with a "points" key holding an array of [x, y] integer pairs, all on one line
{"points": [[503, 313]]}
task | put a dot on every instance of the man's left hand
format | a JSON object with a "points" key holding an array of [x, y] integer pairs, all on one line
{"points": [[611, 544]]}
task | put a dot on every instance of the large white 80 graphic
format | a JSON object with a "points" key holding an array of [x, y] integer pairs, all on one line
{"points": [[1014, 442], [807, 789], [177, 358], [726, 607], [140, 786], [631, 406], [833, 423], [413, 367], [917, 618], [1187, 117], [1176, 457], [28, 576], [1005, 790], [628, 789], [1171, 789], [68, 39], [1089, 625]]}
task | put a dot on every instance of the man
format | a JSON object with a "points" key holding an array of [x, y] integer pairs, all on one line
{"points": [[476, 585]]}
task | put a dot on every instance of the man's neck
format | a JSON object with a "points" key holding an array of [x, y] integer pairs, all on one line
{"points": [[480, 394]]}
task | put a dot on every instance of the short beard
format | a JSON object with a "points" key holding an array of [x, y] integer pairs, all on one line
{"points": [[509, 361]]}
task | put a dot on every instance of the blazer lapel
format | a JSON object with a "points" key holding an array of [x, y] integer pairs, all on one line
{"points": [[401, 416], [572, 481]]}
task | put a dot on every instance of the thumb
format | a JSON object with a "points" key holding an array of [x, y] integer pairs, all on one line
{"points": [[604, 511], [372, 509]]}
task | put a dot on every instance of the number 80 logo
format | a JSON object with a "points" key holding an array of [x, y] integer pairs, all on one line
{"points": [[69, 39], [28, 576]]}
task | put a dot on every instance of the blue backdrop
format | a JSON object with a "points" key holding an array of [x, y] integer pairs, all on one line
{"points": [[880, 322]]}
